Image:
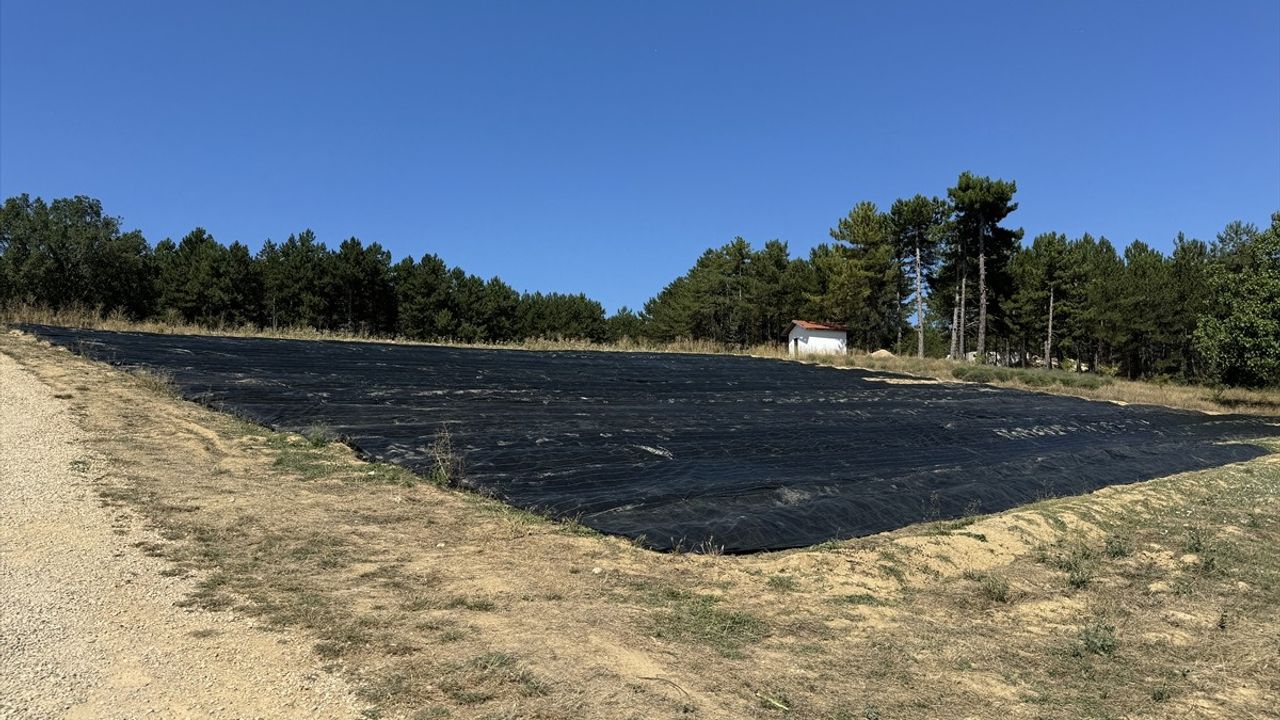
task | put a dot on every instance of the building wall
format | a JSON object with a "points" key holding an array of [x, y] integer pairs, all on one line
{"points": [[811, 342]]}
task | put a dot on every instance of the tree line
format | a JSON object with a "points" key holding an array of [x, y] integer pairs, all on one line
{"points": [[930, 275], [69, 253], [944, 276]]}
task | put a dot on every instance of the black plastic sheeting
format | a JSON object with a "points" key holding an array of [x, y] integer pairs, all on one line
{"points": [[685, 450]]}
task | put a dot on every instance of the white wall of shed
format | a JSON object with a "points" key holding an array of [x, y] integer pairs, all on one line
{"points": [[816, 342]]}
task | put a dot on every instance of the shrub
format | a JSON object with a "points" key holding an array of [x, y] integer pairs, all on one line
{"points": [[1116, 547], [1098, 638], [1028, 377]]}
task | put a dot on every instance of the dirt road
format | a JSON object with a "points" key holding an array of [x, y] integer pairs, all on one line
{"points": [[90, 626]]}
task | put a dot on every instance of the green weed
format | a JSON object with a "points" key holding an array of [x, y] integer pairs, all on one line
{"points": [[1098, 638]]}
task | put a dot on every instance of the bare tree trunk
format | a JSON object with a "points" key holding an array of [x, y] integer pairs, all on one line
{"points": [[964, 314], [1048, 338], [897, 316], [955, 325], [982, 297], [919, 306]]}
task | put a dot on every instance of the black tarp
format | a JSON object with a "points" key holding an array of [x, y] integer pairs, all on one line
{"points": [[682, 449]]}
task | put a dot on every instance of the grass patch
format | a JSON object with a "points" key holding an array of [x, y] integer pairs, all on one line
{"points": [[480, 679], [155, 381], [305, 459], [1197, 540], [321, 551], [319, 435], [992, 587], [1097, 638], [694, 618], [1077, 561], [472, 604], [384, 688], [782, 583], [859, 599], [1117, 547], [1032, 378]]}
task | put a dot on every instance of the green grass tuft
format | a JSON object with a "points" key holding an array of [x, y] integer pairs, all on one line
{"points": [[689, 617]]}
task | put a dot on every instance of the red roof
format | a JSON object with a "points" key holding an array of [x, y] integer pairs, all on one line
{"points": [[808, 325]]}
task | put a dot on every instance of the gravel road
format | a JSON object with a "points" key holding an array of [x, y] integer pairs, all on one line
{"points": [[89, 627]]}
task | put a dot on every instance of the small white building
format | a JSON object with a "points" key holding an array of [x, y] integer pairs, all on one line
{"points": [[811, 338]]}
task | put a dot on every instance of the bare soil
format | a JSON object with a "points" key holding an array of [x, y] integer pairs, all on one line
{"points": [[1147, 601]]}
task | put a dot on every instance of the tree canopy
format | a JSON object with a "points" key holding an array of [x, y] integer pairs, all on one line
{"points": [[68, 253]]}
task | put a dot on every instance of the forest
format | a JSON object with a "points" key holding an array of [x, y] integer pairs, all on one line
{"points": [[940, 276], [69, 253]]}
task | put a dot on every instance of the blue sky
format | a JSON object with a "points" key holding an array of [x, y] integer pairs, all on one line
{"points": [[602, 146]]}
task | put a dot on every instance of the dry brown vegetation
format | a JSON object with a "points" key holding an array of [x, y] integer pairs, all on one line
{"points": [[1148, 601], [1168, 394]]}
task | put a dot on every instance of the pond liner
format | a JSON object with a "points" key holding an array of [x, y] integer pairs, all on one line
{"points": [[687, 451]]}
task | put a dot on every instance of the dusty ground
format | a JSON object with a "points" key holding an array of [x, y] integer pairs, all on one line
{"points": [[90, 627], [1150, 601]]}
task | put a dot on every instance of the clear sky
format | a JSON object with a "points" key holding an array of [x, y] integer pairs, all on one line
{"points": [[600, 146]]}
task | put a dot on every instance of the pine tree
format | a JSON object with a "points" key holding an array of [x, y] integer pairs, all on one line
{"points": [[917, 225], [1189, 269], [866, 277], [980, 205]]}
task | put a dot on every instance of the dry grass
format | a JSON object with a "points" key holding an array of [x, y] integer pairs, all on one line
{"points": [[1149, 601], [118, 322]]}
